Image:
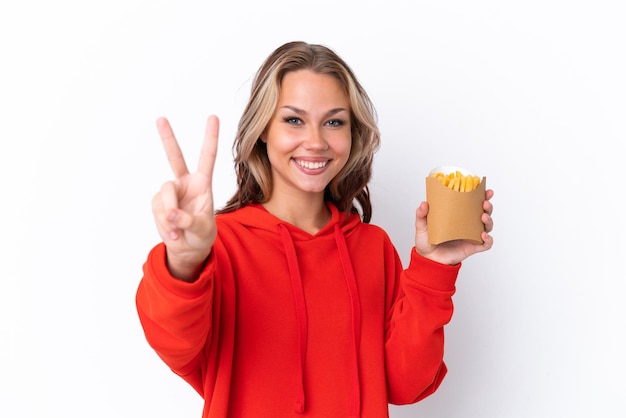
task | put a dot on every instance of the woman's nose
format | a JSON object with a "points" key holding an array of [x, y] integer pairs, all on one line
{"points": [[315, 140]]}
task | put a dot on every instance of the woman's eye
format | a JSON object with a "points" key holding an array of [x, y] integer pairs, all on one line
{"points": [[336, 122], [293, 120]]}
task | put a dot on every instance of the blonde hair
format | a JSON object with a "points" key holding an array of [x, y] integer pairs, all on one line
{"points": [[252, 166]]}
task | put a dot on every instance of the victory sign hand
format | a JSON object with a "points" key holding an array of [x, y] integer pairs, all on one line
{"points": [[183, 208]]}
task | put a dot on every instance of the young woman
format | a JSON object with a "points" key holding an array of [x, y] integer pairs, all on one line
{"points": [[287, 302]]}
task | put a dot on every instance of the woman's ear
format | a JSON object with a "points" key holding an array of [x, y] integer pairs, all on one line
{"points": [[263, 137]]}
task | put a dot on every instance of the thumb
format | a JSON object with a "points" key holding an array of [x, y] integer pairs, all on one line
{"points": [[420, 218]]}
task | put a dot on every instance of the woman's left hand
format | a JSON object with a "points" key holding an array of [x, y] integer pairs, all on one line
{"points": [[452, 252]]}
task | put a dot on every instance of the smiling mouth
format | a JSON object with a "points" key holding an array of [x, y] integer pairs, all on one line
{"points": [[311, 165]]}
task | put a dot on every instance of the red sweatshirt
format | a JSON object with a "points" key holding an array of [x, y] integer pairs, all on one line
{"points": [[282, 323]]}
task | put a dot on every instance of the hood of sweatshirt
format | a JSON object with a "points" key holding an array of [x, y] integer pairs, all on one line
{"points": [[339, 227], [256, 216]]}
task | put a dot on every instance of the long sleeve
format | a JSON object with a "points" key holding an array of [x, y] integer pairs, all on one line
{"points": [[176, 316], [421, 304]]}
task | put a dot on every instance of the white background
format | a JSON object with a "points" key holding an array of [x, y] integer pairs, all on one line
{"points": [[530, 94]]}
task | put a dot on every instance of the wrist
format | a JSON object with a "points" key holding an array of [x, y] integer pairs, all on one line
{"points": [[186, 268]]}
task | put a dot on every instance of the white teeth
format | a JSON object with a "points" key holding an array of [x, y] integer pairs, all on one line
{"points": [[312, 165]]}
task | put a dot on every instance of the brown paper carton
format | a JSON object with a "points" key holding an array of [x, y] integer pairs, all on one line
{"points": [[454, 215]]}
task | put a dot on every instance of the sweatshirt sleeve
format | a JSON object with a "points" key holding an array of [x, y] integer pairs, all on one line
{"points": [[176, 315], [421, 304]]}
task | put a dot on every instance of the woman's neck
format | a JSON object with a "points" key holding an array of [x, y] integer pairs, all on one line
{"points": [[310, 215]]}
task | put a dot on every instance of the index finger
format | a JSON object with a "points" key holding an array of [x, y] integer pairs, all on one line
{"points": [[209, 146], [172, 149]]}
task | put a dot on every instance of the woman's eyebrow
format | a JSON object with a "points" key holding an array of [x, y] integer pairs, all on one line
{"points": [[304, 112]]}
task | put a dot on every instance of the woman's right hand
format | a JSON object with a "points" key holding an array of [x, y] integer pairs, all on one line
{"points": [[183, 208]]}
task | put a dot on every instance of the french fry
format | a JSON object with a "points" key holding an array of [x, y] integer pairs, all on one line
{"points": [[457, 181]]}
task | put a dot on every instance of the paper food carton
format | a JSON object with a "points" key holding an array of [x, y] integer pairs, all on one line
{"points": [[454, 214]]}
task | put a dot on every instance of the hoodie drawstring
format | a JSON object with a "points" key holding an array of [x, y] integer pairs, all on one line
{"points": [[301, 315], [300, 304], [355, 302]]}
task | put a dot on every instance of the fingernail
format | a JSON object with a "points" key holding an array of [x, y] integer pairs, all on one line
{"points": [[173, 217]]}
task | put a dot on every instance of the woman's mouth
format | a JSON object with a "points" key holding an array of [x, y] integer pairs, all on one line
{"points": [[311, 165]]}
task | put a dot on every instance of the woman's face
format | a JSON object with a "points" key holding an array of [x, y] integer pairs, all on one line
{"points": [[309, 136]]}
